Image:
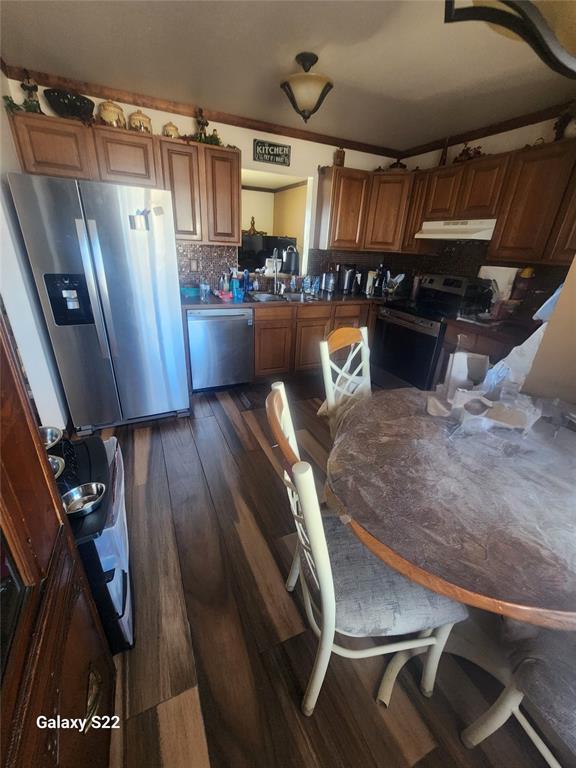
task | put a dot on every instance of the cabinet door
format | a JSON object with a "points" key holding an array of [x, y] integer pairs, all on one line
{"points": [[389, 195], [348, 208], [71, 675], [222, 169], [180, 164], [55, 147], [309, 334], [443, 189], [561, 247], [536, 184], [126, 157], [416, 215], [273, 347], [482, 185], [350, 316]]}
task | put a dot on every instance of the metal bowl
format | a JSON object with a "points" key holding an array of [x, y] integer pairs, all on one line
{"points": [[57, 464], [50, 436], [83, 499]]}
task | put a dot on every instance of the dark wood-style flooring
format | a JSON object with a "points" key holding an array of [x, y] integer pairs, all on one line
{"points": [[223, 652]]}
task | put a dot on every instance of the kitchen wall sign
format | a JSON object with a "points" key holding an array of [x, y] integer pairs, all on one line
{"points": [[269, 152]]}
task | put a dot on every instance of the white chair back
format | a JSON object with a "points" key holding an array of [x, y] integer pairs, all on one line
{"points": [[299, 482], [351, 379]]}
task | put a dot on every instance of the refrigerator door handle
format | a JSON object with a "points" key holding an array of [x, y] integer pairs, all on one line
{"points": [[102, 284], [91, 284]]}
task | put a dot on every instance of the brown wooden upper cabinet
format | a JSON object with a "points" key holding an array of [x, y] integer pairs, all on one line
{"points": [[222, 173], [535, 187], [561, 247], [126, 157], [55, 147], [416, 215], [181, 165], [387, 209], [349, 201], [443, 190], [481, 188]]}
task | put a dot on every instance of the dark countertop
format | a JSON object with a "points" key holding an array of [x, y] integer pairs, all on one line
{"points": [[324, 298], [503, 330]]}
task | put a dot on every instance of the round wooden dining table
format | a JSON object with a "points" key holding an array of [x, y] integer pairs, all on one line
{"points": [[485, 516]]}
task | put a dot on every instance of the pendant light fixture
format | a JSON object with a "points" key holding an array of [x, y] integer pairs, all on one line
{"points": [[549, 28], [306, 90]]}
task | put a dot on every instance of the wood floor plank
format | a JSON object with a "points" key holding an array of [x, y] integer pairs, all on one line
{"points": [[170, 735], [317, 451], [346, 720], [234, 415], [263, 438], [229, 671], [273, 615], [199, 406], [118, 735], [161, 664], [268, 499]]}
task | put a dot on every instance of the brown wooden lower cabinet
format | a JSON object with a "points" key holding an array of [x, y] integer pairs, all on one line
{"points": [[288, 338], [309, 334], [273, 340]]}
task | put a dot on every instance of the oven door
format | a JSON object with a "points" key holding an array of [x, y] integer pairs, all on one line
{"points": [[407, 347]]}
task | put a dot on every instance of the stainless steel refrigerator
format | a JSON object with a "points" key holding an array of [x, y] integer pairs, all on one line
{"points": [[103, 258]]}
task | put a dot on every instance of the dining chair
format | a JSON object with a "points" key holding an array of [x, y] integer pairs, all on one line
{"points": [[348, 380], [544, 673], [348, 590]]}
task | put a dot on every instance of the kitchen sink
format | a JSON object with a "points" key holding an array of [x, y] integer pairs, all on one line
{"points": [[266, 297], [278, 297]]}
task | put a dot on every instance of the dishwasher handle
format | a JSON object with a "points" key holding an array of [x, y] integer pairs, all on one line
{"points": [[219, 315]]}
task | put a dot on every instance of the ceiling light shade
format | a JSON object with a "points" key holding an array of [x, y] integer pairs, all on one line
{"points": [[547, 27], [306, 90]]}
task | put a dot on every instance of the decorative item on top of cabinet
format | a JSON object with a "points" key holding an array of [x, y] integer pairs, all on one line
{"points": [[565, 126], [181, 166], [253, 230], [348, 206], [416, 215], [70, 105], [222, 172], [111, 114], [442, 195], [468, 153], [481, 188], [387, 209], [339, 157], [535, 187], [126, 157], [54, 147], [138, 121], [561, 247], [170, 131]]}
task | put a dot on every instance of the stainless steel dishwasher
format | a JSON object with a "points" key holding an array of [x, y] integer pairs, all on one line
{"points": [[221, 343]]}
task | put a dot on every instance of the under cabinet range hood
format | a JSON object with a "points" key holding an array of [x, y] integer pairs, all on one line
{"points": [[467, 229]]}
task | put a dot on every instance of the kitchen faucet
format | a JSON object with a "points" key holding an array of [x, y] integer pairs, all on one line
{"points": [[275, 257]]}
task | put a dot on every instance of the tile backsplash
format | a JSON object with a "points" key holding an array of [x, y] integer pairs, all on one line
{"points": [[197, 261], [459, 258]]}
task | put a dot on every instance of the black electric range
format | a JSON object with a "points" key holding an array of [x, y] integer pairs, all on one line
{"points": [[409, 333]]}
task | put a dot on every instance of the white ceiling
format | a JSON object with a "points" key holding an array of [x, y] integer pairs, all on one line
{"points": [[267, 179], [401, 76]]}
